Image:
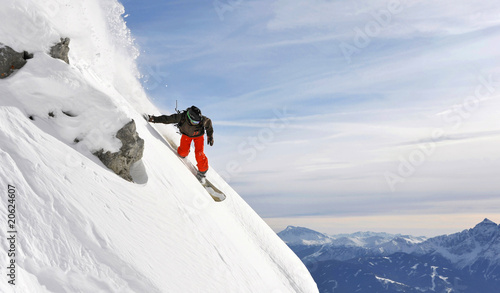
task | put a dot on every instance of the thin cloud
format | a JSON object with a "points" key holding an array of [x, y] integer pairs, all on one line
{"points": [[453, 138]]}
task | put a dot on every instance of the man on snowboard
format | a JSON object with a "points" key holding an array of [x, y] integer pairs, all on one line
{"points": [[192, 125]]}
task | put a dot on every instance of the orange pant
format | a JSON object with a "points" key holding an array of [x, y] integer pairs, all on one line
{"points": [[199, 142]]}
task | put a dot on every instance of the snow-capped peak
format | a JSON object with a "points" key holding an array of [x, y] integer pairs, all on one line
{"points": [[486, 223], [298, 235], [467, 247]]}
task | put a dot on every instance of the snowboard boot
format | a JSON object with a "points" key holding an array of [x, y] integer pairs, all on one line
{"points": [[202, 177]]}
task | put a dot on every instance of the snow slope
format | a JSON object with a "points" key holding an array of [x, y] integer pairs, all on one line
{"points": [[80, 227]]}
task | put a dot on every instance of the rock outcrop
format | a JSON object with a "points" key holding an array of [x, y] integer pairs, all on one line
{"points": [[61, 50], [131, 151], [10, 60]]}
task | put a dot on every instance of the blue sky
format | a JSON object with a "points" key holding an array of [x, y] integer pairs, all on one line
{"points": [[338, 115]]}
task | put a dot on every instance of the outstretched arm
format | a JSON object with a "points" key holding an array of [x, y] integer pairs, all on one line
{"points": [[166, 119]]}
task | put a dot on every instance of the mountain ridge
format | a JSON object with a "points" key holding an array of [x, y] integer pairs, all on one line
{"points": [[465, 262]]}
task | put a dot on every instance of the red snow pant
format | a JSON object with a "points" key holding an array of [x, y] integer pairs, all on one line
{"points": [[183, 150]]}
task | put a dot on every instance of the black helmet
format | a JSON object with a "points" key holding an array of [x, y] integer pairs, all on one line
{"points": [[194, 115]]}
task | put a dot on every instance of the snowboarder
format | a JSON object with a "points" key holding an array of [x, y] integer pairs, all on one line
{"points": [[192, 126]]}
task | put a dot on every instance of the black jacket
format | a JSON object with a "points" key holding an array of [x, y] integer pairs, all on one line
{"points": [[185, 127]]}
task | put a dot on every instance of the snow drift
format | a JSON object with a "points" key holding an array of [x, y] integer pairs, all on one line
{"points": [[82, 228]]}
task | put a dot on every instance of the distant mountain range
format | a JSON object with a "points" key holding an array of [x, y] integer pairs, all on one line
{"points": [[367, 262]]}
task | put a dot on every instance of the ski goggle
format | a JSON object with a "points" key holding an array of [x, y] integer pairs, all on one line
{"points": [[193, 122]]}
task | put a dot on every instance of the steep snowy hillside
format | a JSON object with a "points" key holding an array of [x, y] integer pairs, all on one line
{"points": [[78, 226]]}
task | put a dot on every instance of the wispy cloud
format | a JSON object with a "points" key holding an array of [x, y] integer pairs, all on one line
{"points": [[406, 18]]}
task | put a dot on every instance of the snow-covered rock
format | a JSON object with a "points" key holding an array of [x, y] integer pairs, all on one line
{"points": [[130, 152], [61, 50], [10, 60], [80, 227]]}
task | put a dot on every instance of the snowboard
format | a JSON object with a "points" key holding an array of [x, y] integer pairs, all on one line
{"points": [[216, 194]]}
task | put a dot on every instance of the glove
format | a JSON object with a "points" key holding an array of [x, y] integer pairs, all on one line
{"points": [[151, 119], [210, 140]]}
